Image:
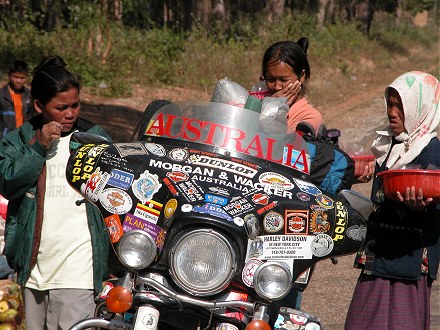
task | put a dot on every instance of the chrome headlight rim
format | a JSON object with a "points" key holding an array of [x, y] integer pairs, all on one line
{"points": [[148, 257], [266, 295], [206, 291]]}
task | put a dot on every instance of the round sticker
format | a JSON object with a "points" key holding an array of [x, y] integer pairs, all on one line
{"points": [[273, 222], [249, 270], [116, 200], [186, 208], [170, 207], [322, 245]]}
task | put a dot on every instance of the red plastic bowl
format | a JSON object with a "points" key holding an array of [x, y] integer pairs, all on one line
{"points": [[398, 180], [360, 162], [260, 95]]}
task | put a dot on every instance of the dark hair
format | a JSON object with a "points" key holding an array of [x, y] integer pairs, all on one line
{"points": [[50, 78], [289, 52], [19, 66]]}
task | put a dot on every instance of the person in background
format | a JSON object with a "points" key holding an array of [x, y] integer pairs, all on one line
{"points": [[15, 99], [286, 71], [58, 249], [402, 250]]}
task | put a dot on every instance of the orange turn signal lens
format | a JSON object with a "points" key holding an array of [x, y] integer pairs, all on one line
{"points": [[258, 325], [119, 299]]}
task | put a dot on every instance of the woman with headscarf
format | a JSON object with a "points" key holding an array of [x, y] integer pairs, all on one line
{"points": [[401, 255]]}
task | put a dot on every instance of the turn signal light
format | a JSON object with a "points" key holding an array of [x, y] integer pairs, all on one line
{"points": [[119, 299], [258, 325]]}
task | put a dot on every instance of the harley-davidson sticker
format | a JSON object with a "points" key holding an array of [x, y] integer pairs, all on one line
{"points": [[170, 207], [287, 247], [357, 233], [249, 270], [213, 210], [115, 200], [130, 148], [275, 180], [273, 222], [120, 179], [296, 222], [113, 224], [178, 154], [177, 176], [324, 201], [322, 245], [318, 219], [156, 149], [303, 196], [146, 186], [222, 164], [260, 198], [307, 187]]}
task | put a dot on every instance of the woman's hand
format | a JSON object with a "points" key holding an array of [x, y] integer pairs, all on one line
{"points": [[368, 173], [49, 132], [291, 92], [414, 201]]}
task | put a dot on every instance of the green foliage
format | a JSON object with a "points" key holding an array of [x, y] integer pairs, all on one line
{"points": [[417, 6]]}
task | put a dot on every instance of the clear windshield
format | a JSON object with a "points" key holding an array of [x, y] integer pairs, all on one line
{"points": [[228, 128]]}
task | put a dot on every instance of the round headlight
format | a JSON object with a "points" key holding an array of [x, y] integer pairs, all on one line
{"points": [[202, 262], [272, 280], [136, 249]]}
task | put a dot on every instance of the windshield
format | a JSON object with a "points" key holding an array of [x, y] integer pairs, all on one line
{"points": [[230, 129]]}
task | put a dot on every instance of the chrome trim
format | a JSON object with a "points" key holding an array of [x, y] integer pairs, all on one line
{"points": [[105, 324]]}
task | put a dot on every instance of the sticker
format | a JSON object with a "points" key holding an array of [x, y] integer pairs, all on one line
{"points": [[149, 212], [130, 149], [324, 201], [156, 149], [170, 207], [177, 176], [298, 319], [113, 224], [94, 185], [319, 219], [287, 246], [220, 191], [120, 179], [222, 164], [313, 326], [213, 210], [341, 218], [303, 196], [260, 198], [303, 278], [322, 245], [116, 200], [133, 222], [276, 181], [178, 154], [226, 326], [186, 208], [239, 221], [146, 186], [296, 222], [268, 207], [255, 248], [249, 270], [216, 199], [307, 187], [273, 222], [357, 233], [191, 191], [238, 206], [170, 187]]}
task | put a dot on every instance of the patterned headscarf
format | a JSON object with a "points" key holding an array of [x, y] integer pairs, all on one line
{"points": [[420, 94]]}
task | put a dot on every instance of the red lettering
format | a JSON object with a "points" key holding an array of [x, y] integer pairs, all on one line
{"points": [[156, 127], [228, 138], [301, 160], [191, 128], [210, 138], [270, 144]]}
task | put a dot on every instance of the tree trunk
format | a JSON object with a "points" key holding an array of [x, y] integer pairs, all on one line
{"points": [[275, 9], [202, 12]]}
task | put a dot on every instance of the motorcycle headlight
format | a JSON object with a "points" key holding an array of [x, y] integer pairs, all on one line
{"points": [[136, 249], [272, 280], [202, 262]]}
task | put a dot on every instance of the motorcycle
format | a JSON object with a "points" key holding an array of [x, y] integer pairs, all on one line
{"points": [[213, 219]]}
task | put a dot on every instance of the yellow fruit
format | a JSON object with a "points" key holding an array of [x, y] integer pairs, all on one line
{"points": [[13, 301], [8, 316], [3, 306], [7, 326]]}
